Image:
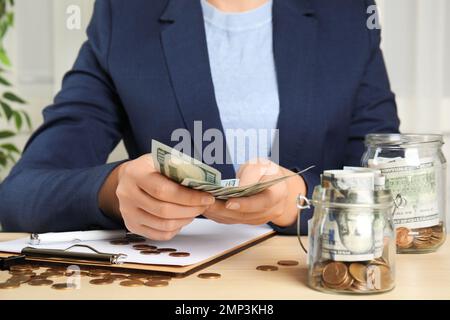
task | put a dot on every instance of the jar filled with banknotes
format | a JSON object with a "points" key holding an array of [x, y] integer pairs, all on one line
{"points": [[351, 241], [414, 167]]}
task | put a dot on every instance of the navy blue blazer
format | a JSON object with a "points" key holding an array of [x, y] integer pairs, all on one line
{"points": [[144, 72]]}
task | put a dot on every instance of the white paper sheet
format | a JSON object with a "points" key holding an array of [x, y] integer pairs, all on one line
{"points": [[202, 238]]}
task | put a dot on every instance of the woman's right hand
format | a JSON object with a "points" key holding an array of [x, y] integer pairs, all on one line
{"points": [[150, 204]]}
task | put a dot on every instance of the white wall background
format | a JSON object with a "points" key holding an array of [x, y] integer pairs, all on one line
{"points": [[416, 43]]}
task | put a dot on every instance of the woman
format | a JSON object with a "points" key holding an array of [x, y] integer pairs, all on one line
{"points": [[311, 69]]}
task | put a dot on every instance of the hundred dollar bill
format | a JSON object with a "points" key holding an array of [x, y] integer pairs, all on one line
{"points": [[415, 180], [194, 174], [352, 234], [179, 166]]}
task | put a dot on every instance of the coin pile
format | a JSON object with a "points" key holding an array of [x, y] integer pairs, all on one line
{"points": [[138, 244], [421, 238], [357, 277]]}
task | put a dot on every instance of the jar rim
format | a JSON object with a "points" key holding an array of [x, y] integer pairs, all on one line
{"points": [[401, 140]]}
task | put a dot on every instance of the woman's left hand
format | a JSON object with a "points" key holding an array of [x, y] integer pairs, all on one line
{"points": [[276, 204]]}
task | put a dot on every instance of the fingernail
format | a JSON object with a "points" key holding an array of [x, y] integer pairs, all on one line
{"points": [[207, 200], [233, 206]]}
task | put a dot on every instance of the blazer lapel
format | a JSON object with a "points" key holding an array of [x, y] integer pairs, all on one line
{"points": [[186, 52], [295, 39]]}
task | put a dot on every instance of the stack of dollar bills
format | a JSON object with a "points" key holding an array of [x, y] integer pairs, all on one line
{"points": [[194, 174]]}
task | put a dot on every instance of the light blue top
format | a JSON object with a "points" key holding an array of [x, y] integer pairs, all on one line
{"points": [[243, 72]]}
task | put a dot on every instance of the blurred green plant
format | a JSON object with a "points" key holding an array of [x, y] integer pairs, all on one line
{"points": [[12, 119]]}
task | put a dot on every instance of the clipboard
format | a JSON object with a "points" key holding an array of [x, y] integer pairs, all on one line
{"points": [[106, 260]]}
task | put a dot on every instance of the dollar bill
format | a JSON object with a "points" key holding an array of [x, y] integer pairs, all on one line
{"points": [[415, 180], [194, 174], [352, 234]]}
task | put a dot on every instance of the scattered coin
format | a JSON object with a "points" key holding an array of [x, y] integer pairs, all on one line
{"points": [[267, 268], [131, 283], [40, 282], [179, 254], [209, 275], [156, 283], [167, 250], [21, 278], [9, 285], [136, 240], [117, 276], [98, 272], [101, 281], [150, 252], [288, 263], [119, 242], [20, 267], [52, 275], [144, 247], [63, 286], [160, 277], [138, 277]]}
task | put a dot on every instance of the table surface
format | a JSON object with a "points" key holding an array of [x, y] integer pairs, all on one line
{"points": [[421, 276]]}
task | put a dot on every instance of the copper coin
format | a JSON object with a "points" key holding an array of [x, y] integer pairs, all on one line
{"points": [[101, 281], [403, 238], [160, 277], [209, 275], [40, 282], [335, 273], [119, 242], [288, 263], [179, 254], [131, 283], [52, 275], [20, 267], [267, 268], [358, 271], [144, 247], [98, 272], [136, 240], [117, 276], [20, 278], [63, 286], [156, 283], [167, 250], [9, 285], [150, 252], [22, 272], [138, 277]]}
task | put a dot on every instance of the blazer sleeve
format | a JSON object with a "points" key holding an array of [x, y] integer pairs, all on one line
{"points": [[54, 186], [375, 110]]}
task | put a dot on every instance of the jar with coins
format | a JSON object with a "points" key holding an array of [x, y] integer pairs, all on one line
{"points": [[351, 241], [414, 167]]}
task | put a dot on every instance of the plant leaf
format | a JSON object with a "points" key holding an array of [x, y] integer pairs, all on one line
{"points": [[2, 159], [7, 110], [4, 58], [10, 147], [12, 97], [5, 82], [27, 120], [6, 134], [18, 120]]}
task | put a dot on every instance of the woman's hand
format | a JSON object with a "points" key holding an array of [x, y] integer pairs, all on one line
{"points": [[277, 204], [150, 204]]}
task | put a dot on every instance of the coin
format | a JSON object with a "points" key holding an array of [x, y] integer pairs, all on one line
{"points": [[144, 247], [119, 242], [101, 281], [22, 272], [288, 263], [136, 240], [167, 250], [98, 272], [160, 277], [117, 276], [267, 268], [150, 252], [40, 282], [63, 286], [335, 273], [20, 267], [403, 238], [131, 283], [138, 277], [358, 271], [9, 285], [21, 278], [179, 254], [209, 275], [156, 283], [52, 275]]}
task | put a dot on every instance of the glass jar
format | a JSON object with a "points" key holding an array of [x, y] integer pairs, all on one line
{"points": [[415, 170], [351, 241]]}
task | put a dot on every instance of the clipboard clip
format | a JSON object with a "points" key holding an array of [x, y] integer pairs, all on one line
{"points": [[65, 254]]}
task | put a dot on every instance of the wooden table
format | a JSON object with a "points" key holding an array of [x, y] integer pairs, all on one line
{"points": [[424, 276]]}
